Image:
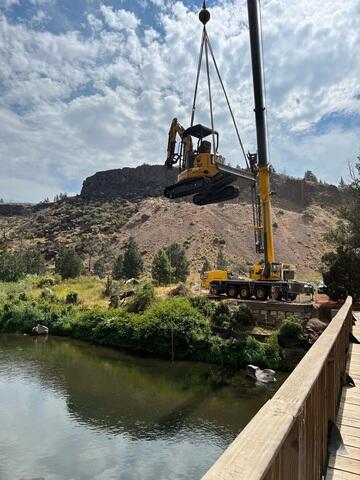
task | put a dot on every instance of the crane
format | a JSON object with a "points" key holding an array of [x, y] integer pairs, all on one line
{"points": [[203, 174]]}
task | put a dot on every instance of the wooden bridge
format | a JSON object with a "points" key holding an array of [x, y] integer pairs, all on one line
{"points": [[294, 433]]}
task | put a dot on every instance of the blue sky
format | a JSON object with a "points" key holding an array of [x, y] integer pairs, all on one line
{"points": [[91, 85]]}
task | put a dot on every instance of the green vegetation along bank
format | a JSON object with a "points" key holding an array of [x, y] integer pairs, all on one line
{"points": [[175, 328]]}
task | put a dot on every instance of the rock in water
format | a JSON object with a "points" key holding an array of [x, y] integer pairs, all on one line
{"points": [[263, 376], [40, 330]]}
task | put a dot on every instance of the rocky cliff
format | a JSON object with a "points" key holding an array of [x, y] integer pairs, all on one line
{"points": [[150, 180]]}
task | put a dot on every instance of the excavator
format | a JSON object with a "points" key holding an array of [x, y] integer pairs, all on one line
{"points": [[204, 175]]}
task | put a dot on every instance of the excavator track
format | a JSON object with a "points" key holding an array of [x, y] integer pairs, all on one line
{"points": [[188, 187], [214, 196]]}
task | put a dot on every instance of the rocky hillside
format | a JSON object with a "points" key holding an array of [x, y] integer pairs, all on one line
{"points": [[150, 180], [117, 204]]}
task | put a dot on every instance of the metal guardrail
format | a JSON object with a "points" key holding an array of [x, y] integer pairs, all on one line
{"points": [[288, 438]]}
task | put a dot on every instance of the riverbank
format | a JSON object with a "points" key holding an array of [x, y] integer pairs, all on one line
{"points": [[170, 328]]}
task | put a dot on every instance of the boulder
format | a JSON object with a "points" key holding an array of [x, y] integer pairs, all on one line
{"points": [[40, 330]]}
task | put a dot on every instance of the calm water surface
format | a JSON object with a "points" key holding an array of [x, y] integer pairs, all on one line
{"points": [[73, 411]]}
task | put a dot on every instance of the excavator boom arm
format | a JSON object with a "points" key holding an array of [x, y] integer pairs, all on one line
{"points": [[177, 129]]}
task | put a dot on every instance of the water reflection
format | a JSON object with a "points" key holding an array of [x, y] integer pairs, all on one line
{"points": [[70, 410]]}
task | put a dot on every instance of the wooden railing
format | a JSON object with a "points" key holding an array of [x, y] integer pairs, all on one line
{"points": [[287, 439]]}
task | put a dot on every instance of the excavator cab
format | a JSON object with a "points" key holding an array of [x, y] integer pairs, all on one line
{"points": [[199, 161], [202, 171]]}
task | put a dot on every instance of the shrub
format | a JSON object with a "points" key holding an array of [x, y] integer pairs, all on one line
{"points": [[144, 297], [242, 317], [68, 263], [254, 352], [72, 298], [173, 322], [100, 267], [47, 294], [33, 261], [46, 282], [11, 267], [117, 268], [342, 277], [203, 304], [221, 315], [291, 328]]}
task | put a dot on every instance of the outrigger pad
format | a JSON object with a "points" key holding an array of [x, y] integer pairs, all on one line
{"points": [[215, 196]]}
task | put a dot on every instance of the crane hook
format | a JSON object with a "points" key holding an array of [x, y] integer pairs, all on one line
{"points": [[204, 15]]}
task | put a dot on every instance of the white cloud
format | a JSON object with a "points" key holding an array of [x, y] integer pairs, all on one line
{"points": [[72, 105], [119, 19]]}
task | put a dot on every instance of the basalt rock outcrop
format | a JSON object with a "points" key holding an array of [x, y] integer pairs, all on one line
{"points": [[150, 180]]}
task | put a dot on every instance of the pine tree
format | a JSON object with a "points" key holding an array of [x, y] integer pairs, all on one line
{"points": [[178, 262], [342, 184], [117, 269], [206, 266], [11, 267], [132, 263], [161, 268], [100, 267], [342, 275], [221, 262], [33, 261], [68, 263]]}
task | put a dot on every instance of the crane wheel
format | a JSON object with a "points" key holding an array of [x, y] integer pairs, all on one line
{"points": [[214, 290], [261, 293], [232, 292], [244, 293]]}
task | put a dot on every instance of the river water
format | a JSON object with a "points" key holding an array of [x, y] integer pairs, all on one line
{"points": [[73, 411]]}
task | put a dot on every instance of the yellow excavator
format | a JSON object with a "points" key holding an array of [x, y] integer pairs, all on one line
{"points": [[204, 175]]}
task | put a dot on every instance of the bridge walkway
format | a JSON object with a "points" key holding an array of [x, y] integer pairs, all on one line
{"points": [[347, 466]]}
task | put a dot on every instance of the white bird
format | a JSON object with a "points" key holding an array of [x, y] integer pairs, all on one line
{"points": [[263, 376]]}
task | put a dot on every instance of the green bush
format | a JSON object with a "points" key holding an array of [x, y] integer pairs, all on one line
{"points": [[221, 315], [72, 298], [46, 282], [173, 321], [241, 317], [291, 328], [11, 267], [203, 304], [47, 294], [68, 263], [144, 297]]}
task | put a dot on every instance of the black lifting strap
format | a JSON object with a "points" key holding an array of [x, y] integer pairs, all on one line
{"points": [[206, 45]]}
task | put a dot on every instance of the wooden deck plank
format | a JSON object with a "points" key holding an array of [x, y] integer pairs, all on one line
{"points": [[334, 474], [351, 452], [347, 467], [346, 464]]}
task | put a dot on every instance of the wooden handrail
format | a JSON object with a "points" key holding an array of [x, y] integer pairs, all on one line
{"points": [[288, 437]]}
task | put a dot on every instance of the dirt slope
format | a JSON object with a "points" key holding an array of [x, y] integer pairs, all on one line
{"points": [[102, 227]]}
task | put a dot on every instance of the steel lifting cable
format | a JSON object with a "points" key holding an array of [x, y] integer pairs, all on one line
{"points": [[227, 101], [197, 77], [205, 41], [210, 98]]}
